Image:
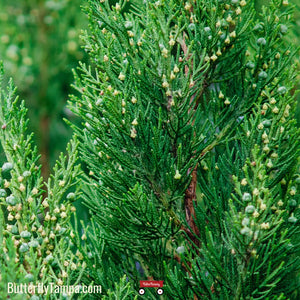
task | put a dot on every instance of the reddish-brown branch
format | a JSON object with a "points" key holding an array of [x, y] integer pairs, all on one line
{"points": [[190, 193], [189, 204]]}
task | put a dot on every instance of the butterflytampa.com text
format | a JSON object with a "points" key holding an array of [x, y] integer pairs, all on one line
{"points": [[51, 288]]}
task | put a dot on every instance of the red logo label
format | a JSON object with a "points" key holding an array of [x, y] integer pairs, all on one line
{"points": [[151, 283]]}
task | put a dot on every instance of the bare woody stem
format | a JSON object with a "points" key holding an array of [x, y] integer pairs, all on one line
{"points": [[190, 193]]}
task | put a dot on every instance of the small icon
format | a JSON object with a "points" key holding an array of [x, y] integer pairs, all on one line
{"points": [[160, 291], [151, 284]]}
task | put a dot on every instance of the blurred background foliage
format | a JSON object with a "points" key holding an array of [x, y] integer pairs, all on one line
{"points": [[40, 44]]}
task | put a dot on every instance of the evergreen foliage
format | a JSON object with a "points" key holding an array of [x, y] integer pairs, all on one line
{"points": [[192, 150], [35, 229], [39, 46]]}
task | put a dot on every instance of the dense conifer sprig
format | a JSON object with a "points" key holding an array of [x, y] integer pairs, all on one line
{"points": [[35, 216], [193, 153]]}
